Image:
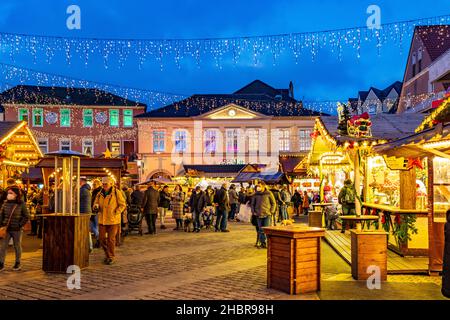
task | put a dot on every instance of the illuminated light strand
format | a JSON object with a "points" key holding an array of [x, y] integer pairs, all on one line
{"points": [[428, 122], [274, 45], [436, 144]]}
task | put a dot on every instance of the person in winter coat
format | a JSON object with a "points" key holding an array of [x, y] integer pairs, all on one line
{"points": [[347, 198], [177, 206], [150, 207], [14, 215], [305, 203], [97, 187], [263, 207], [297, 202], [446, 261], [197, 203], [164, 204], [222, 202], [110, 204], [234, 202], [137, 196], [86, 203], [285, 199]]}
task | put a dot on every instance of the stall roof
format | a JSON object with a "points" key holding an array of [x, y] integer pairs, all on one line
{"points": [[213, 170], [290, 164], [409, 146], [93, 163], [384, 127], [269, 178]]}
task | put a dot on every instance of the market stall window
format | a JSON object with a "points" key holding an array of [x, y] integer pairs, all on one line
{"points": [[441, 187], [384, 183]]}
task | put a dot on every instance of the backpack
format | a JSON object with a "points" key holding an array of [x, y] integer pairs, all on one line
{"points": [[349, 196]]}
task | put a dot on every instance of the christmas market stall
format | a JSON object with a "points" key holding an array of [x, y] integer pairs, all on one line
{"points": [[204, 175], [18, 150], [427, 152], [294, 166], [343, 148]]}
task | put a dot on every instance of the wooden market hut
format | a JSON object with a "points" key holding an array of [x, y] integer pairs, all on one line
{"points": [[18, 150], [352, 154], [431, 145]]}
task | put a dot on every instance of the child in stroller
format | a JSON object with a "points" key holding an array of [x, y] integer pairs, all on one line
{"points": [[208, 217], [135, 217]]}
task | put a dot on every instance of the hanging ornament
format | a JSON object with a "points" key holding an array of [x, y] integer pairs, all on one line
{"points": [[51, 117], [101, 117]]}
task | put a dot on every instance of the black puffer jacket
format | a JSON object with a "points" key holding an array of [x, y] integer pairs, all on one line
{"points": [[19, 217], [446, 265]]}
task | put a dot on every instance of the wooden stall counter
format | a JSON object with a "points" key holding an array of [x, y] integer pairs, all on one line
{"points": [[65, 241], [369, 248], [293, 258]]}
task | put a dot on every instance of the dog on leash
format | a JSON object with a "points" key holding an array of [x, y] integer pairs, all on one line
{"points": [[188, 222]]}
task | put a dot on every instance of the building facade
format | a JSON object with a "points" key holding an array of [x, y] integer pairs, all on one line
{"points": [[427, 72], [84, 120], [253, 125], [376, 101]]}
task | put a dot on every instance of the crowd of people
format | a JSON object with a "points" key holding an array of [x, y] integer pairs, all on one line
{"points": [[109, 204]]}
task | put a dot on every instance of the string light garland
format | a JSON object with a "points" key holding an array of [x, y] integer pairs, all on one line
{"points": [[154, 99], [15, 74], [433, 118], [159, 50]]}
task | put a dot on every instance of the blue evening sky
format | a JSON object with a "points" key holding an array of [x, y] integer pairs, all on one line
{"points": [[326, 78]]}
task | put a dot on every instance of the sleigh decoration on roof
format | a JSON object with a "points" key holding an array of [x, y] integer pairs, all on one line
{"points": [[359, 126]]}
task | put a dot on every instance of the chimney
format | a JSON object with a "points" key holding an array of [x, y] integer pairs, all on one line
{"points": [[291, 89]]}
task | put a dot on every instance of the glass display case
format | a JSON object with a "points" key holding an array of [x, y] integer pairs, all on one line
{"points": [[441, 188], [383, 183]]}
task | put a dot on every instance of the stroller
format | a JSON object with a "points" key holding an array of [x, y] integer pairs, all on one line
{"points": [[135, 217], [208, 217]]}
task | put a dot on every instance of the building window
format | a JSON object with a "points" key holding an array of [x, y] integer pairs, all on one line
{"points": [[304, 139], [88, 118], [23, 115], [232, 140], [113, 118], [253, 140], [88, 147], [372, 109], [65, 117], [38, 120], [180, 141], [210, 141], [65, 145], [43, 145], [158, 141], [114, 147], [127, 118], [283, 138]]}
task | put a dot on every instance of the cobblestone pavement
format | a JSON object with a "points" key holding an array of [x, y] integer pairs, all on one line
{"points": [[207, 265]]}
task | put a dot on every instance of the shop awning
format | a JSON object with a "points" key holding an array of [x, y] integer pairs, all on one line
{"points": [[213, 171]]}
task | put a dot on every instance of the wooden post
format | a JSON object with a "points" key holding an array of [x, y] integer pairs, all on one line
{"points": [[408, 189], [356, 166]]}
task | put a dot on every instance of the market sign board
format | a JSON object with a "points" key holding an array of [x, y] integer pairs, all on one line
{"points": [[395, 163]]}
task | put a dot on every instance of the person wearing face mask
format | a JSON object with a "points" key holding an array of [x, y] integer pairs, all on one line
{"points": [[14, 215], [263, 207]]}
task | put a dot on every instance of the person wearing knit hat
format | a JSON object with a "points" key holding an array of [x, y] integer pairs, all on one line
{"points": [[110, 204], [13, 215]]}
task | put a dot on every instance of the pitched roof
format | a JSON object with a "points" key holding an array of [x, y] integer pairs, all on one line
{"points": [[381, 94], [435, 38], [7, 126], [202, 103], [25, 94], [384, 126], [259, 87]]}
